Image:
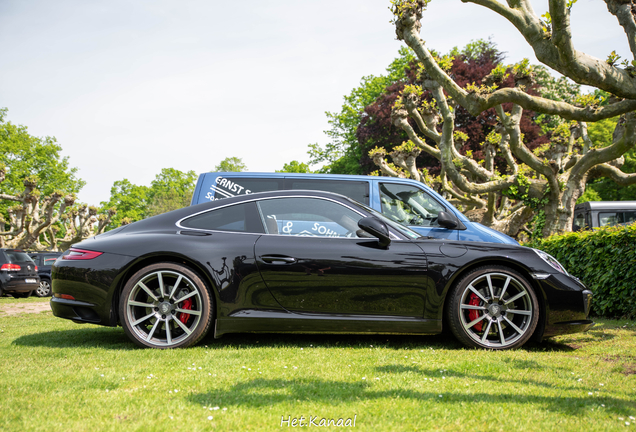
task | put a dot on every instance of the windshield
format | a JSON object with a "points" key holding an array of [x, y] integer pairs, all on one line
{"points": [[405, 231]]}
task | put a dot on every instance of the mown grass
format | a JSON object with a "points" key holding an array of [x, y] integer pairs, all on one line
{"points": [[56, 375]]}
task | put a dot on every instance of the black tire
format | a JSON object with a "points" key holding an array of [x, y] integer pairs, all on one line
{"points": [[493, 307], [22, 294], [44, 290], [175, 316]]}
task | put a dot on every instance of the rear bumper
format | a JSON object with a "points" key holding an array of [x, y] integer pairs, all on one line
{"points": [[17, 285], [76, 311]]}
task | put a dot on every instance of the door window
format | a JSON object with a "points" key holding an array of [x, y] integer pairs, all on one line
{"points": [[409, 205], [311, 217]]}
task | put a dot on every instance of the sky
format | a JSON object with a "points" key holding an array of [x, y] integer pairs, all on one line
{"points": [[130, 87]]}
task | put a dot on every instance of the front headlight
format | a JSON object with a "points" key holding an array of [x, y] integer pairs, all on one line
{"points": [[551, 260]]}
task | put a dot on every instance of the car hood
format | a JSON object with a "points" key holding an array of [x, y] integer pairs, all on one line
{"points": [[500, 237]]}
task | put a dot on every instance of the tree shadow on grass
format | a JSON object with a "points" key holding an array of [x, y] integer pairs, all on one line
{"points": [[258, 393], [89, 337]]}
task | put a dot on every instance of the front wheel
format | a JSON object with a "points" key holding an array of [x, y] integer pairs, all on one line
{"points": [[44, 290], [165, 305], [493, 307]]}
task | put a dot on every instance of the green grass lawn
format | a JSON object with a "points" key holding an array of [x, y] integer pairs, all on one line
{"points": [[59, 376]]}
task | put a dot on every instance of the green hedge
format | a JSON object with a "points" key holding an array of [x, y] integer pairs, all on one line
{"points": [[605, 260]]}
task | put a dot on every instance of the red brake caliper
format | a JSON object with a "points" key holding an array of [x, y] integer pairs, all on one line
{"points": [[187, 304], [473, 314]]}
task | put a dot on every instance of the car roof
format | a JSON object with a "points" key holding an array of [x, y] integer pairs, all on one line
{"points": [[607, 205]]}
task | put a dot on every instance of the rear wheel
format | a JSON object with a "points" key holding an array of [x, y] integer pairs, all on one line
{"points": [[44, 290], [493, 307], [165, 305]]}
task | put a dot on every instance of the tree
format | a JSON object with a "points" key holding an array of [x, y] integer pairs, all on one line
{"points": [[38, 207], [295, 167], [231, 164], [343, 154], [553, 176], [23, 155], [170, 190]]}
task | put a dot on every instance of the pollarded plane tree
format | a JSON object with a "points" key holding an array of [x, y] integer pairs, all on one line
{"points": [[51, 222], [549, 178]]}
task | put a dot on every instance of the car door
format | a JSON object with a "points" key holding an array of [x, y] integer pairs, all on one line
{"points": [[313, 262]]}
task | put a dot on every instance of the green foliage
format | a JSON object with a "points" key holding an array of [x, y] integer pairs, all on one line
{"points": [[605, 189], [24, 155], [170, 190], [612, 58], [342, 154], [520, 191], [295, 167], [231, 164], [130, 201], [605, 260], [474, 50]]}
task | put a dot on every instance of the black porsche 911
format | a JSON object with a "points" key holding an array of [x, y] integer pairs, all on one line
{"points": [[310, 262]]}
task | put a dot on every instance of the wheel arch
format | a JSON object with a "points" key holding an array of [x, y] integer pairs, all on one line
{"points": [[147, 260], [513, 265]]}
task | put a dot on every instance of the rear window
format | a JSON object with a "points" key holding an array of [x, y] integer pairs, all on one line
{"points": [[18, 257], [239, 218]]}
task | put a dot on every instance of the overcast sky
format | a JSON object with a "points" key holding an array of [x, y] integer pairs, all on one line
{"points": [[131, 87]]}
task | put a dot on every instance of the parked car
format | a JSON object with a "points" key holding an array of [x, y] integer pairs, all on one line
{"points": [[595, 214], [18, 273], [44, 261], [310, 262], [408, 202]]}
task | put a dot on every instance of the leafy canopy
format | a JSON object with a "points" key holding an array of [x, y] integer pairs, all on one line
{"points": [[23, 155], [231, 164]]}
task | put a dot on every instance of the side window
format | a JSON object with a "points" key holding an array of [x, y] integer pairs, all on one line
{"points": [[311, 217], [241, 218], [357, 190], [409, 205], [233, 186], [49, 260], [605, 219], [629, 217]]}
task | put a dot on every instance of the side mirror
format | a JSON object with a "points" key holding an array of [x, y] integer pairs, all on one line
{"points": [[377, 229], [447, 220]]}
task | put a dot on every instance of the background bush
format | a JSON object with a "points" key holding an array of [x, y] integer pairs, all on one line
{"points": [[605, 260]]}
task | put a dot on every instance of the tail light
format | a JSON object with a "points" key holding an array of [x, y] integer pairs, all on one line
{"points": [[10, 267], [80, 254], [36, 268]]}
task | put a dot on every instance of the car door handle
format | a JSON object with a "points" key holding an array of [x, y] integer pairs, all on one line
{"points": [[274, 259]]}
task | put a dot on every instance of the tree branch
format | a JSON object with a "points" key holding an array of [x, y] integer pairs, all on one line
{"points": [[622, 10]]}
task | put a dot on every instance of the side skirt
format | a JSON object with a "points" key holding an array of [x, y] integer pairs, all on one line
{"points": [[251, 321]]}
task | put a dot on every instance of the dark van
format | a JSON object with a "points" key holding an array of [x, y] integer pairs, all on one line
{"points": [[595, 214]]}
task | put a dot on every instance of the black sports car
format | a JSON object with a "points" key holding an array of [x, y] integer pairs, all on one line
{"points": [[310, 262]]}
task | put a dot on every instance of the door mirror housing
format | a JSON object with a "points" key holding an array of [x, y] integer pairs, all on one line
{"points": [[447, 220], [377, 229]]}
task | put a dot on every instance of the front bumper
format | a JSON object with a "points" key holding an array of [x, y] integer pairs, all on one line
{"points": [[569, 305]]}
